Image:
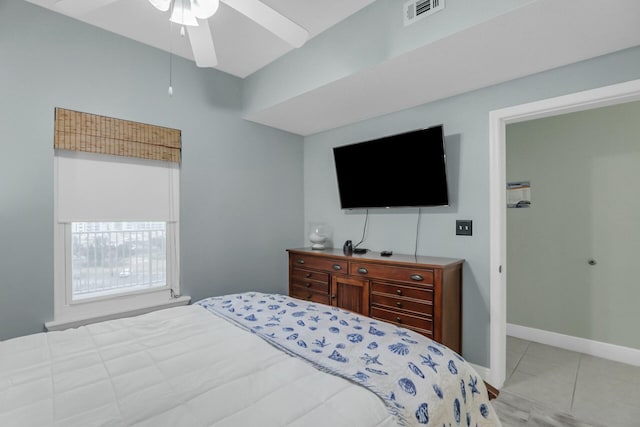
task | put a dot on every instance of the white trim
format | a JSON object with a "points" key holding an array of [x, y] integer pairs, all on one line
{"points": [[173, 257], [67, 311], [498, 120], [497, 253], [56, 325], [107, 295], [618, 353]]}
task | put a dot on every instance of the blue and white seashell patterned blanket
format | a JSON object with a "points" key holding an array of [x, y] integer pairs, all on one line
{"points": [[421, 382]]}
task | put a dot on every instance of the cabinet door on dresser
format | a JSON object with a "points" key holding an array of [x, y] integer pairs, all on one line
{"points": [[350, 294]]}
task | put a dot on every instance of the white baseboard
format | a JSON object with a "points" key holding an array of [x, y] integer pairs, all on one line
{"points": [[617, 353]]}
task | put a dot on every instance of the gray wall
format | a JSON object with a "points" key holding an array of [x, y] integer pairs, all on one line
{"points": [[584, 170], [466, 124], [241, 183]]}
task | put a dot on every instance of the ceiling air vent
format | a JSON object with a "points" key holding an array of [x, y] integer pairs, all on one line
{"points": [[418, 9]]}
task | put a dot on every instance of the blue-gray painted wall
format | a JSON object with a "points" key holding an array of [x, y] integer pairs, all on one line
{"points": [[241, 183], [466, 125]]}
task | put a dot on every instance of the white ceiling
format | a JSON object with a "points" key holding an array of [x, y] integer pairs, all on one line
{"points": [[242, 46], [542, 35]]}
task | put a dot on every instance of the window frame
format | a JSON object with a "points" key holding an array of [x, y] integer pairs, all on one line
{"points": [[70, 313]]}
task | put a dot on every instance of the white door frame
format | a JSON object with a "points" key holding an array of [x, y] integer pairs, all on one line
{"points": [[498, 120]]}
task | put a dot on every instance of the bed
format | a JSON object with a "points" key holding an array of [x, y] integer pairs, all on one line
{"points": [[247, 359]]}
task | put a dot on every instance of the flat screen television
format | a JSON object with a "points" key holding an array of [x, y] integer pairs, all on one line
{"points": [[403, 170]]}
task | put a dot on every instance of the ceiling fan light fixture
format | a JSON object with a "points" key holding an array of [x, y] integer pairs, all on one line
{"points": [[204, 9], [182, 13], [162, 5]]}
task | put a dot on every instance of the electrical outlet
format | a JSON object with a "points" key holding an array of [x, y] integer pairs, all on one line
{"points": [[464, 227]]}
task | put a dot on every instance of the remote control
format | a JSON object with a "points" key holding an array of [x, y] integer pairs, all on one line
{"points": [[386, 253]]}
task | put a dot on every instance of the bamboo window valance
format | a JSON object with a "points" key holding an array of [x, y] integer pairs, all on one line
{"points": [[105, 135]]}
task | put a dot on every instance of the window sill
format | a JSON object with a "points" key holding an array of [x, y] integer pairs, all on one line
{"points": [[66, 324]]}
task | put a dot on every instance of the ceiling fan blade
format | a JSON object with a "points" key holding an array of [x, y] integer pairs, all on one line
{"points": [[273, 21], [204, 9], [80, 7], [202, 45]]}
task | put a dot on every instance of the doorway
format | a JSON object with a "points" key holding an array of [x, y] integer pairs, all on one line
{"points": [[498, 120]]}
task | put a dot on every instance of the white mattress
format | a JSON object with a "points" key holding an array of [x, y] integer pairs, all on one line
{"points": [[178, 367]]}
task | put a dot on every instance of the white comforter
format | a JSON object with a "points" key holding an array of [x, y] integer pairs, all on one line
{"points": [[421, 381], [178, 367]]}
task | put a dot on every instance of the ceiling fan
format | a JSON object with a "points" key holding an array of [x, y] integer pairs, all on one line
{"points": [[194, 14]]}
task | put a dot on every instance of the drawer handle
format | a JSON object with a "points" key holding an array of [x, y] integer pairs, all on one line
{"points": [[308, 285], [300, 261], [333, 297], [362, 270], [337, 267], [416, 277], [399, 291], [308, 275], [399, 304], [399, 319]]}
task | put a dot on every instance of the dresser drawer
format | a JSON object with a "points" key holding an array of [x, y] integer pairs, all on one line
{"points": [[311, 286], [419, 293], [308, 295], [387, 301], [326, 264], [300, 275], [400, 274], [423, 323]]}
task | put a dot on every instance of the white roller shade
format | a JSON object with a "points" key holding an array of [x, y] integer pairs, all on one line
{"points": [[98, 187]]}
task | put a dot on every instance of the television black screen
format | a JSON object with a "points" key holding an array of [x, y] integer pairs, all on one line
{"points": [[401, 170]]}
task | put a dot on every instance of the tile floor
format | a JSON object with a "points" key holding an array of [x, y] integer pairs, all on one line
{"points": [[591, 389]]}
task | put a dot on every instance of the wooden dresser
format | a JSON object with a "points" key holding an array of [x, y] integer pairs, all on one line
{"points": [[420, 293]]}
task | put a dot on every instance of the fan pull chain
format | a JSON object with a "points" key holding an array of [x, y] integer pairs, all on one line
{"points": [[170, 90]]}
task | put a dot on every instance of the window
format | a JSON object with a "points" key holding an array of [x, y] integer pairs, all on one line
{"points": [[111, 258], [116, 220]]}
